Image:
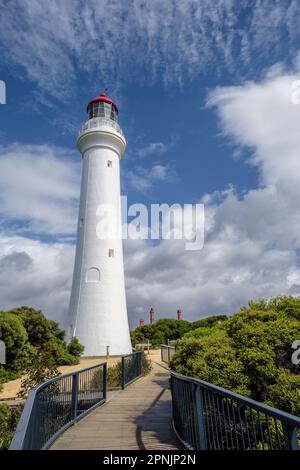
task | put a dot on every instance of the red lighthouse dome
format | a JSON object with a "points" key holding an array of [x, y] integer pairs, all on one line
{"points": [[102, 106]]}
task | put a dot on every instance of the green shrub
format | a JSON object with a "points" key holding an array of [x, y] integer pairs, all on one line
{"points": [[75, 348], [249, 353], [9, 417], [146, 364], [159, 332], [41, 370], [28, 334], [114, 375]]}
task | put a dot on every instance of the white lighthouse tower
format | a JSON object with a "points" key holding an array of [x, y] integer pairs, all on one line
{"points": [[98, 314]]}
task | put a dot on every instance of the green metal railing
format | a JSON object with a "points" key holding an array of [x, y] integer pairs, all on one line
{"points": [[131, 368], [208, 417], [167, 351], [56, 404]]}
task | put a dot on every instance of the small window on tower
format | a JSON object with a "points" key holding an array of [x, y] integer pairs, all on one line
{"points": [[111, 253], [109, 163]]}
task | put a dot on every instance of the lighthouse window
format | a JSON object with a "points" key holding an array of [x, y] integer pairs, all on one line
{"points": [[111, 253], [107, 109], [96, 109], [109, 163], [93, 275], [113, 114]]}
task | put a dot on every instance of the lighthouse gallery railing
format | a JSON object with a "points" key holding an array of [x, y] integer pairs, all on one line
{"points": [[97, 123]]}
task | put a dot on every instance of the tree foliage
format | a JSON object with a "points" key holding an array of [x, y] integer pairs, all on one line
{"points": [[43, 368], [9, 417], [249, 353], [28, 336], [159, 332]]}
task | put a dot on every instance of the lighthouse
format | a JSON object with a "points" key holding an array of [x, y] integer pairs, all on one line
{"points": [[97, 312]]}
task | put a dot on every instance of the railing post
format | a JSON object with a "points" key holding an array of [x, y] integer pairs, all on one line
{"points": [[74, 403], [199, 419], [291, 438], [168, 355], [104, 380], [123, 372], [140, 364]]}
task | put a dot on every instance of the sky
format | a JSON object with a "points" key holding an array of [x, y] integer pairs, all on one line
{"points": [[205, 97]]}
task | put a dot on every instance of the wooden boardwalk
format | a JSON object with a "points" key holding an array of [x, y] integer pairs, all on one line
{"points": [[137, 418]]}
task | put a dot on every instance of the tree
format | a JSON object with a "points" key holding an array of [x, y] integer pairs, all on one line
{"points": [[209, 321], [9, 417], [41, 370], [28, 334], [19, 352], [45, 335], [75, 348], [249, 353], [159, 332]]}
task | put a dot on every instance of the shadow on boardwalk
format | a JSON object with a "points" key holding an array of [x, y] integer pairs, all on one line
{"points": [[154, 425], [138, 418]]}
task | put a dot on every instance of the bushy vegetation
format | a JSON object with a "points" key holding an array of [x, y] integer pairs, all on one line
{"points": [[9, 417], [159, 332], [209, 321], [170, 329], [43, 368], [249, 353], [30, 336], [114, 373]]}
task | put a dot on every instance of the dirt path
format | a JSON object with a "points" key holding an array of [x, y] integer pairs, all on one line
{"points": [[11, 389]]}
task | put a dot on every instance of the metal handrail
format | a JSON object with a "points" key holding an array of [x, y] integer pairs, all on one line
{"points": [[206, 416], [81, 393], [131, 368], [170, 351]]}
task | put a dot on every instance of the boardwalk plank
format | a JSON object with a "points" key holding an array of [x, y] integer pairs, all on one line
{"points": [[137, 418]]}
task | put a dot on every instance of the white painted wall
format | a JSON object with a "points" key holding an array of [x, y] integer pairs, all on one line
{"points": [[98, 314]]}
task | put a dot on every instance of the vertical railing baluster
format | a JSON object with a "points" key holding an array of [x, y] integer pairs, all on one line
{"points": [[291, 438], [211, 415], [247, 429], [277, 434], [123, 372], [208, 430], [241, 426], [269, 433], [199, 419], [261, 431], [104, 381], [234, 425], [74, 396]]}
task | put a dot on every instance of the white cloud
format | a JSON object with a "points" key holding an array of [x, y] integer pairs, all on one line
{"points": [[36, 274], [170, 41], [143, 179], [39, 188], [155, 149]]}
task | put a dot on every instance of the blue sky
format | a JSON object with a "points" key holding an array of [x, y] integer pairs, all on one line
{"points": [[204, 95]]}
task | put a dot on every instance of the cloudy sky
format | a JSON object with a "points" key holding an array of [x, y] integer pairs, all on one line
{"points": [[205, 91]]}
